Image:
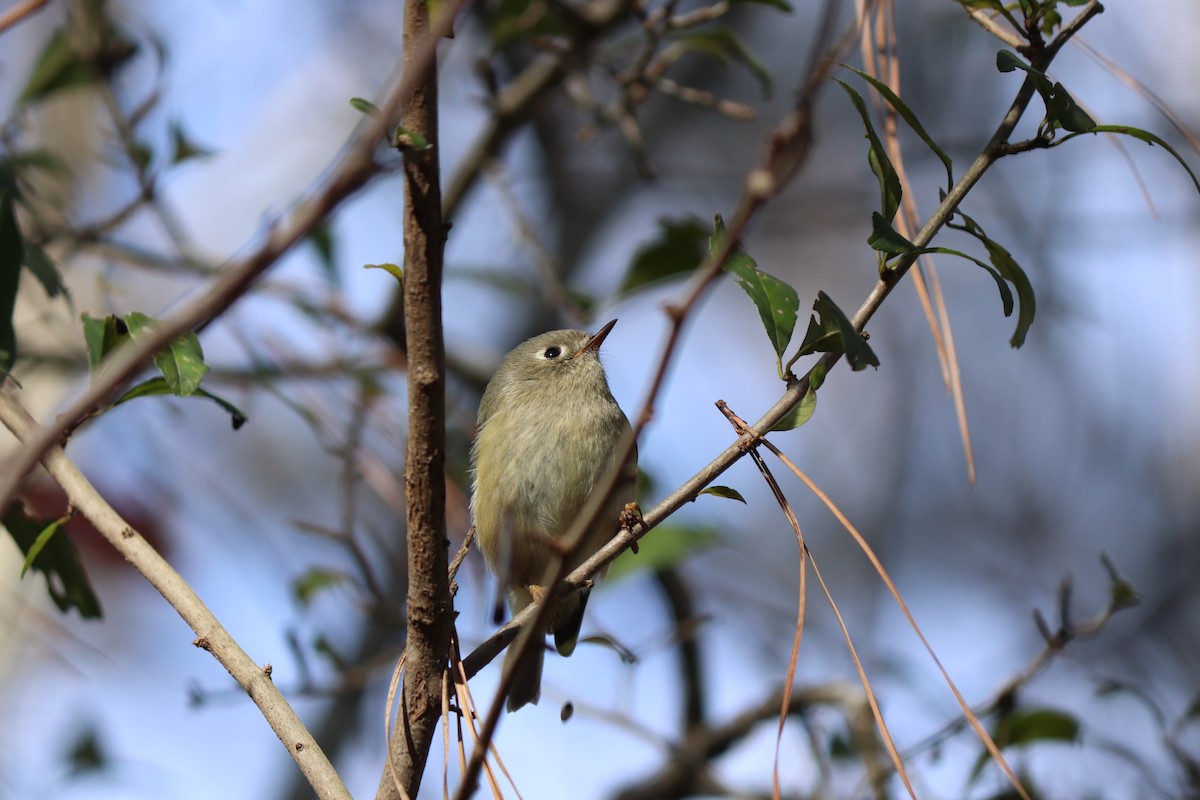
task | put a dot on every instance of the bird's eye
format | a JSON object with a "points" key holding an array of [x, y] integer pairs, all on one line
{"points": [[552, 352]]}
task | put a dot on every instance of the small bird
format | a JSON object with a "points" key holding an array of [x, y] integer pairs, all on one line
{"points": [[549, 431]]}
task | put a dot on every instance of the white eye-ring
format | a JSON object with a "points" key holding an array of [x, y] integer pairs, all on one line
{"points": [[552, 352]]}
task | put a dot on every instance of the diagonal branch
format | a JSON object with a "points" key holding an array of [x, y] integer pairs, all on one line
{"points": [[210, 634], [350, 173]]}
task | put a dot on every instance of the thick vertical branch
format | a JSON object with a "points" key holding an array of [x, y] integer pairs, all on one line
{"points": [[429, 604]]}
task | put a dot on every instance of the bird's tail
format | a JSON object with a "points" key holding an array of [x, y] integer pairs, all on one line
{"points": [[527, 674]]}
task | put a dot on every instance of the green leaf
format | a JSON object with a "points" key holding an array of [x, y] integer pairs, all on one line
{"points": [[835, 334], [366, 107], [321, 238], [1040, 725], [776, 301], [877, 157], [40, 542], [801, 413], [181, 362], [1007, 61], [237, 417], [1066, 113], [58, 67], [410, 140], [678, 249], [1140, 135], [183, 146], [58, 560], [1008, 267], [12, 253], [47, 274], [1121, 592], [102, 335], [316, 580], [723, 44], [665, 546], [909, 117], [885, 239], [724, 491], [1028, 726], [393, 269], [1006, 296], [155, 387]]}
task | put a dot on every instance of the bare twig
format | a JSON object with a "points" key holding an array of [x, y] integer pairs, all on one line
{"points": [[210, 634], [20, 12], [350, 173]]}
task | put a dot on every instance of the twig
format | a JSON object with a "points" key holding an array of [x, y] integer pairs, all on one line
{"points": [[210, 634], [350, 173], [19, 12]]}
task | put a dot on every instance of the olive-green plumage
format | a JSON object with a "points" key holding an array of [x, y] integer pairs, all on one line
{"points": [[549, 429]]}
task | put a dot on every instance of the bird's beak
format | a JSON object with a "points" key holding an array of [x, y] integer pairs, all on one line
{"points": [[596, 340]]}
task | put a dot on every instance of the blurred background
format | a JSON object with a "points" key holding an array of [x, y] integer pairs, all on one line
{"points": [[1086, 439]]}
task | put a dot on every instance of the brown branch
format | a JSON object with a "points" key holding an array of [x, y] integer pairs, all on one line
{"points": [[429, 605], [210, 634], [346, 176], [20, 12], [786, 151], [686, 772]]}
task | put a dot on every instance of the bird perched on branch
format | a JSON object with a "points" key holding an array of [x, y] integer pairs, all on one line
{"points": [[549, 437]]}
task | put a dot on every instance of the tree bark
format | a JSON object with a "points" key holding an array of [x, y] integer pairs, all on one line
{"points": [[429, 604]]}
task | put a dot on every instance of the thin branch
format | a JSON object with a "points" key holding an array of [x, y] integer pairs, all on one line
{"points": [[20, 12], [210, 634], [347, 175], [798, 387]]}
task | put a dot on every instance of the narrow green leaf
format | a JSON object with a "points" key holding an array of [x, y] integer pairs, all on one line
{"points": [[393, 269], [665, 546], [181, 362], [1006, 295], [47, 274], [678, 249], [58, 560], [366, 107], [776, 301], [1012, 272], [724, 491], [801, 413], [723, 44], [237, 417], [40, 542], [155, 387], [885, 239], [183, 147], [835, 334], [909, 117], [1140, 135], [877, 157]]}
